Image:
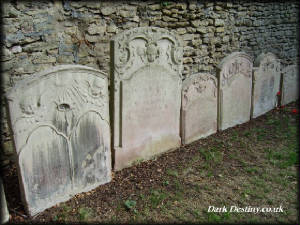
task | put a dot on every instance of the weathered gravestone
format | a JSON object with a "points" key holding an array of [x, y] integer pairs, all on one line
{"points": [[235, 87], [290, 84], [266, 84], [199, 107], [146, 71], [4, 214], [60, 123]]}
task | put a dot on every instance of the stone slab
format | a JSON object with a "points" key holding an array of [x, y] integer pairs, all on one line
{"points": [[235, 87], [61, 131], [146, 71], [266, 84], [290, 84], [4, 214], [199, 107]]}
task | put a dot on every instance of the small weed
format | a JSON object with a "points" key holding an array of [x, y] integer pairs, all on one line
{"points": [[178, 185], [212, 156], [173, 173], [62, 215], [85, 213], [157, 197], [178, 196], [166, 183], [130, 204], [252, 170], [142, 196], [213, 217], [196, 214]]}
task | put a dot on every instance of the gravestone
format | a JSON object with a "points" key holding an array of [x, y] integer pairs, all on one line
{"points": [[146, 71], [235, 87], [290, 84], [266, 84], [4, 214], [199, 107], [60, 124]]}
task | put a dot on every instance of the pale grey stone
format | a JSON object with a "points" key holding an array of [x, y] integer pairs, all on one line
{"points": [[147, 94], [96, 29], [60, 123], [16, 49], [266, 82], [199, 107], [290, 84], [155, 7], [108, 10], [219, 22], [235, 86], [4, 214]]}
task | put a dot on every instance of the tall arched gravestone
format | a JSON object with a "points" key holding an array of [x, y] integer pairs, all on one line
{"points": [[199, 107], [290, 84], [60, 124], [266, 84], [146, 71], [235, 87]]}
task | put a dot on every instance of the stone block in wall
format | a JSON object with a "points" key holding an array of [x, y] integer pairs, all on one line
{"points": [[235, 87], [199, 107], [61, 131], [146, 97], [266, 84]]}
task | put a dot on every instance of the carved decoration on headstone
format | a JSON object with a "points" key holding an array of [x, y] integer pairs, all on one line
{"points": [[146, 71], [60, 124], [235, 79], [290, 84], [199, 107], [266, 82]]}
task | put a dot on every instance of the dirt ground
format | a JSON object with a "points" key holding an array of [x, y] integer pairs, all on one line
{"points": [[251, 165]]}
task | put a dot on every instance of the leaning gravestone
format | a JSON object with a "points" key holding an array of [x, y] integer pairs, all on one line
{"points": [[4, 214], [146, 71], [235, 86], [60, 123], [266, 84], [290, 84], [199, 107]]}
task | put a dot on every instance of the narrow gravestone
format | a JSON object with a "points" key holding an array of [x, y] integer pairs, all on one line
{"points": [[235, 87], [199, 107], [266, 84], [146, 71], [4, 214], [60, 124], [290, 84]]}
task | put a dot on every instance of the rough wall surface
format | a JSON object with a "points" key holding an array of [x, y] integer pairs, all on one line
{"points": [[40, 34]]}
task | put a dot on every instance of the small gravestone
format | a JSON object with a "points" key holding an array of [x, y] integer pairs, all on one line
{"points": [[235, 86], [290, 84], [199, 107], [146, 70], [60, 124], [266, 84]]}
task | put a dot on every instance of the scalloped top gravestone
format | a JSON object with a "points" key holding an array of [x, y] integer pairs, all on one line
{"points": [[290, 84], [235, 87], [266, 84], [146, 70], [199, 107], [60, 124]]}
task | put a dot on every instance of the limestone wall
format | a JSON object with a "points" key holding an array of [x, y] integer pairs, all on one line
{"points": [[40, 34]]}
